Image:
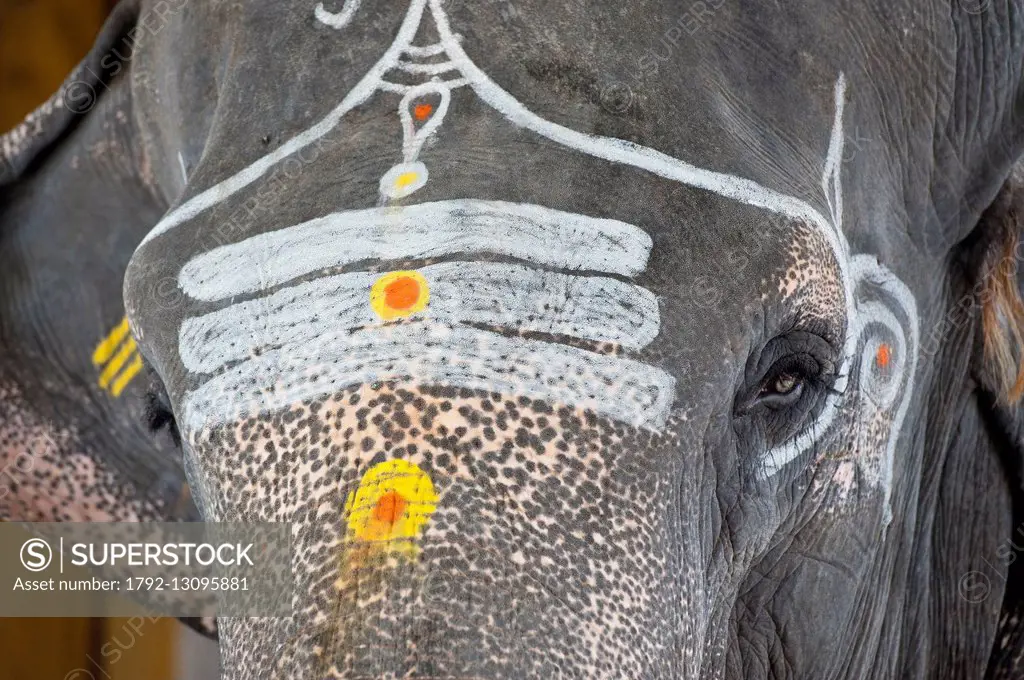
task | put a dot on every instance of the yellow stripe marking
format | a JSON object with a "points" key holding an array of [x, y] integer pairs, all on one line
{"points": [[105, 350], [126, 377], [115, 352], [119, 360]]}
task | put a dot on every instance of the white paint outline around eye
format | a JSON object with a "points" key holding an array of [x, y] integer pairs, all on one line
{"points": [[858, 271]]}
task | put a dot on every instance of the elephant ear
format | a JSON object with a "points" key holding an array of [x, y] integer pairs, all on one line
{"points": [[76, 197], [76, 403], [1000, 293], [996, 304]]}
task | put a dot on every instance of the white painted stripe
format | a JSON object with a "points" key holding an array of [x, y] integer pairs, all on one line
{"points": [[399, 88], [495, 294], [422, 51], [527, 232], [432, 354], [832, 176], [184, 172], [428, 69]]}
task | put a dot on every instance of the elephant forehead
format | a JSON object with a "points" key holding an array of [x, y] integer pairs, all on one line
{"points": [[514, 299], [551, 193]]}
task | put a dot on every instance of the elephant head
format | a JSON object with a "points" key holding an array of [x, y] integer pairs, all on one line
{"points": [[587, 340]]}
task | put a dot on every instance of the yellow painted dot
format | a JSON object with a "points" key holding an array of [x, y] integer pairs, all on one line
{"points": [[392, 505], [399, 294], [406, 179]]}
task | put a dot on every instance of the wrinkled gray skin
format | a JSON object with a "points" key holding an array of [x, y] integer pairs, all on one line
{"points": [[566, 543]]}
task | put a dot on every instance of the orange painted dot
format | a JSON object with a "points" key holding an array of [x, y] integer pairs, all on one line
{"points": [[422, 111], [389, 508], [883, 355], [399, 294], [402, 293]]}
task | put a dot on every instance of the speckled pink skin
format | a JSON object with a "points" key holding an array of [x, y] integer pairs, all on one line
{"points": [[46, 477]]}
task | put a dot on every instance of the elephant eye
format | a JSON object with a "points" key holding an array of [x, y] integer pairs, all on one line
{"points": [[787, 381], [786, 387], [787, 384]]}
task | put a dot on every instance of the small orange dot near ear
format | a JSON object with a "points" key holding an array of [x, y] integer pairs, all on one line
{"points": [[883, 356]]}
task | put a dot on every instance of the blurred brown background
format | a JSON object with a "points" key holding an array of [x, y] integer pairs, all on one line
{"points": [[40, 42]]}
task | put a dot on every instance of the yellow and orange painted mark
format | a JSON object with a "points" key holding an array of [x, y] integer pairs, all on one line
{"points": [[391, 507], [399, 294], [118, 359]]}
